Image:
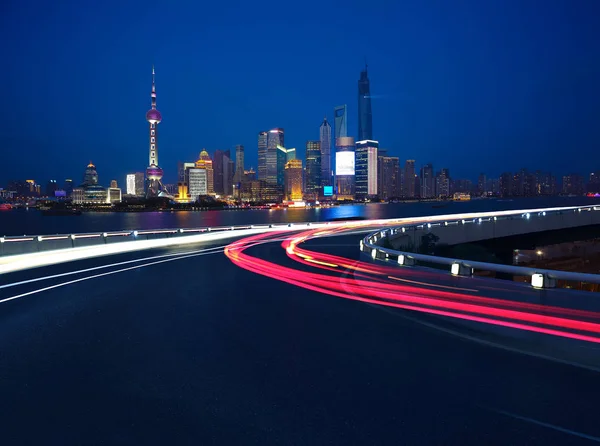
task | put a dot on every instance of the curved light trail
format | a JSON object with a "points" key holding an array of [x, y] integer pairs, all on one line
{"points": [[380, 284]]}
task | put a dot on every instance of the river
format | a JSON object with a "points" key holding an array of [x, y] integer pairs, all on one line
{"points": [[33, 222]]}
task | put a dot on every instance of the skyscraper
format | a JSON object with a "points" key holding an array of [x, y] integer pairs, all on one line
{"points": [[325, 143], [204, 162], [238, 177], [313, 169], [344, 167], [293, 180], [365, 119], [154, 173], [442, 183], [388, 177], [219, 169], [366, 168], [341, 127], [274, 141], [263, 138], [427, 181], [409, 179]]}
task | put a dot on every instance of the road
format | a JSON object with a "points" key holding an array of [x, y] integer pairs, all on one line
{"points": [[195, 350]]}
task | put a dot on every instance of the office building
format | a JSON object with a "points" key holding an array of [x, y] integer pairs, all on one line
{"points": [[325, 143], [239, 164], [113, 184], [388, 177], [68, 187], [204, 162], [340, 121], [442, 183], [427, 181], [293, 180], [198, 183], [365, 119], [344, 168], [409, 179], [263, 139], [275, 140], [113, 194], [366, 169], [51, 188], [313, 170]]}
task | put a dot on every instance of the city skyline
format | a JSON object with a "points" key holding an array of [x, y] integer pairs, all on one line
{"points": [[500, 110]]}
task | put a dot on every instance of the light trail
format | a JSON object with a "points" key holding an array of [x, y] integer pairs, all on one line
{"points": [[375, 284]]}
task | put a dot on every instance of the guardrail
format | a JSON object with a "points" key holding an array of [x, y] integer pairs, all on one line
{"points": [[540, 278], [13, 245]]}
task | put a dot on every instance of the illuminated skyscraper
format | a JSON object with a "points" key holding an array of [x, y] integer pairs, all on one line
{"points": [[274, 141], [154, 173], [293, 180], [313, 169], [344, 167], [239, 164], [341, 127], [263, 138], [90, 177], [388, 177], [365, 118], [204, 162], [325, 143], [366, 168]]}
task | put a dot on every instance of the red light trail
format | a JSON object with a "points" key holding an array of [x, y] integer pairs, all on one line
{"points": [[380, 285]]}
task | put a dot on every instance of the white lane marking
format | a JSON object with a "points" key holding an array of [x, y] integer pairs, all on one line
{"points": [[81, 271], [95, 276], [548, 425], [173, 256]]}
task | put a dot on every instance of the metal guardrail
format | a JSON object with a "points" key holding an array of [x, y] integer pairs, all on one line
{"points": [[540, 278], [11, 245]]}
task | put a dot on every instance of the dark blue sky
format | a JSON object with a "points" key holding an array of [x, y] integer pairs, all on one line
{"points": [[470, 85]]}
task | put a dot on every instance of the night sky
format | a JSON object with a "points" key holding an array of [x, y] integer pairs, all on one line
{"points": [[470, 85]]}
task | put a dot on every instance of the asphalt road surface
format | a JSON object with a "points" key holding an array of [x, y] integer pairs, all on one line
{"points": [[191, 349]]}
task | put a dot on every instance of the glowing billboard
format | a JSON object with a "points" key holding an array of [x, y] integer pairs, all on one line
{"points": [[344, 163], [327, 191]]}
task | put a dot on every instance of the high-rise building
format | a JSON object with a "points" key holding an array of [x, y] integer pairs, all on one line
{"points": [[204, 162], [130, 184], [365, 118], [68, 187], [228, 172], [427, 181], [388, 177], [220, 167], [51, 188], [154, 173], [263, 140], [345, 167], [293, 180], [325, 143], [113, 184], [198, 182], [113, 194], [341, 125], [274, 141], [481, 184], [573, 184], [409, 179], [505, 183], [442, 183], [283, 156], [366, 168], [238, 177], [90, 177], [313, 169]]}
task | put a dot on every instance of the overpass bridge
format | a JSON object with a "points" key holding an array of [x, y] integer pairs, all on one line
{"points": [[175, 333]]}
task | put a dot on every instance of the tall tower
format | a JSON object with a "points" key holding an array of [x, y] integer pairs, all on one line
{"points": [[154, 173], [325, 143], [341, 126], [365, 118]]}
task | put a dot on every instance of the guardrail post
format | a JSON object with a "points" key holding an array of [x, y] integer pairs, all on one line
{"points": [[460, 269], [1, 246], [72, 237], [542, 281]]}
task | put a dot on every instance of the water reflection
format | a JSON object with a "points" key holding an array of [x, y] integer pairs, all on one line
{"points": [[19, 222]]}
